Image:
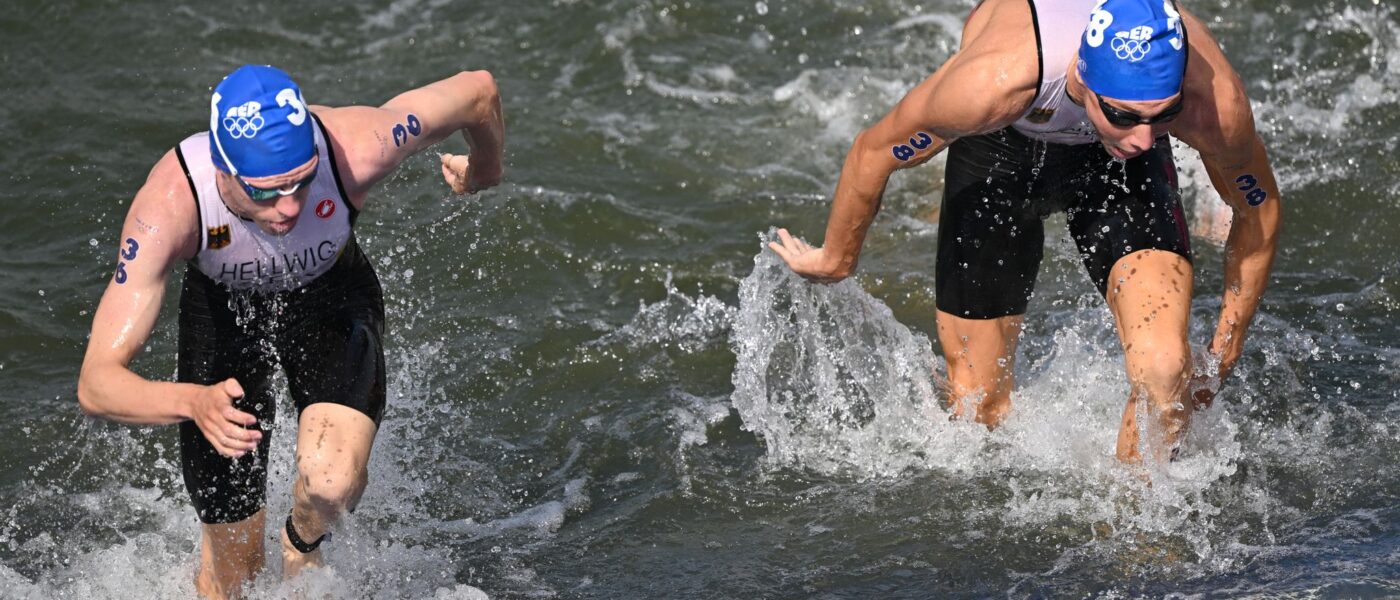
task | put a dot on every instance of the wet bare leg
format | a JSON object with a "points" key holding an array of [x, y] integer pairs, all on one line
{"points": [[980, 355], [230, 555], [333, 446], [1149, 292]]}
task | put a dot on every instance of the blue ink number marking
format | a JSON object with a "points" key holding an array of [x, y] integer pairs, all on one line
{"points": [[401, 131], [131, 247], [1254, 195], [127, 253], [904, 152]]}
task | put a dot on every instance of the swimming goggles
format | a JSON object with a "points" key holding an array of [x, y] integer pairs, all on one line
{"points": [[1123, 118], [261, 195]]}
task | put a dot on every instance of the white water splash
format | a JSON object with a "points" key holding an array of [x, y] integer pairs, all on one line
{"points": [[541, 519], [678, 321], [142, 541], [833, 384], [828, 378]]}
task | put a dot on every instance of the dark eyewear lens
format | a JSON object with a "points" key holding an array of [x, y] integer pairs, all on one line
{"points": [[1124, 118]]}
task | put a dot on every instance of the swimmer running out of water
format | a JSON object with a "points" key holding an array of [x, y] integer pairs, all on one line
{"points": [[1053, 105], [260, 208]]}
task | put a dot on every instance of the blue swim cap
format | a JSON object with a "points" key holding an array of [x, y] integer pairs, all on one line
{"points": [[1133, 50], [258, 123]]}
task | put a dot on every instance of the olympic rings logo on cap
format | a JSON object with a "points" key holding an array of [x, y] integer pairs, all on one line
{"points": [[1132, 45], [244, 121]]}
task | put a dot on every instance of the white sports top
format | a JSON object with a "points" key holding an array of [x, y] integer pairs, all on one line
{"points": [[236, 253], [1053, 117]]}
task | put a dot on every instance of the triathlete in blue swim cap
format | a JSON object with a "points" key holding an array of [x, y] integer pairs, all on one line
{"points": [[1067, 105], [261, 205]]}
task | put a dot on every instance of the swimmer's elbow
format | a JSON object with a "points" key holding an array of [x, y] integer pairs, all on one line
{"points": [[480, 99], [485, 80], [89, 392], [481, 86], [867, 155], [862, 141], [87, 402]]}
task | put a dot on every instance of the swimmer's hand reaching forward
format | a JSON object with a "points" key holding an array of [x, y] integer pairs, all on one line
{"points": [[811, 263]]}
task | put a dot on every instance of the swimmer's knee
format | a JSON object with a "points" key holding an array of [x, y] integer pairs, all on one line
{"points": [[979, 406], [339, 494], [1167, 370], [333, 494]]}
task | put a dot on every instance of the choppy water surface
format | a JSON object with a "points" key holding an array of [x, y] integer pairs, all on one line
{"points": [[601, 386]]}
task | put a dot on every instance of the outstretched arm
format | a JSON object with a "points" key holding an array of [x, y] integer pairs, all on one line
{"points": [[1222, 130], [970, 94], [371, 142], [1246, 182]]}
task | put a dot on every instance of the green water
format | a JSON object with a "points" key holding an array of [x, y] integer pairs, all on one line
{"points": [[563, 349]]}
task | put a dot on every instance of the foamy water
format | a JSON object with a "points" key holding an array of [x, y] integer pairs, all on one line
{"points": [[602, 387]]}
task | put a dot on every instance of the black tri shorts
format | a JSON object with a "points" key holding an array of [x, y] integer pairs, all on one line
{"points": [[326, 336], [1002, 185]]}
